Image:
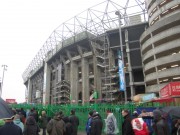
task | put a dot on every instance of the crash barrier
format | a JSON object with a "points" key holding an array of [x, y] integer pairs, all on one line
{"points": [[83, 110]]}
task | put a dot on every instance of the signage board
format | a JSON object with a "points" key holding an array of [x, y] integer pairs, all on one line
{"points": [[175, 88], [121, 72], [11, 101], [170, 90], [148, 97], [164, 92]]}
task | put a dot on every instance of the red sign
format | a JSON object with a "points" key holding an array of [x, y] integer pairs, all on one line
{"points": [[175, 89], [11, 101], [164, 92], [170, 90]]}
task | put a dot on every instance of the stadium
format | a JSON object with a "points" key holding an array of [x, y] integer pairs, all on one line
{"points": [[79, 62]]}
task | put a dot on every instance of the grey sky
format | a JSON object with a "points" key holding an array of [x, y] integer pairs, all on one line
{"points": [[24, 27]]}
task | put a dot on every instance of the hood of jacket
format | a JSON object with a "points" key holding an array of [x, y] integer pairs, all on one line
{"points": [[110, 115], [157, 115], [30, 121]]}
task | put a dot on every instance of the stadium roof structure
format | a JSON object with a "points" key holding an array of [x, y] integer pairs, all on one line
{"points": [[95, 20]]}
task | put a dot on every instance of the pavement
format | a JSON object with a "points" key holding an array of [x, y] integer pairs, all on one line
{"points": [[79, 133]]}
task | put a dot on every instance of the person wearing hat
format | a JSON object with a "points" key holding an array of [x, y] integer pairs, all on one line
{"points": [[96, 124], [160, 124], [135, 114], [9, 128]]}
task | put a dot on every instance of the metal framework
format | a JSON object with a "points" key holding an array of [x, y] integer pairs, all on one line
{"points": [[96, 20]]}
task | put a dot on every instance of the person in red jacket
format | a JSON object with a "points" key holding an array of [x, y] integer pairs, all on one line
{"points": [[139, 127]]}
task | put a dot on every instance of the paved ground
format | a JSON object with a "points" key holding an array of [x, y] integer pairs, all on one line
{"points": [[79, 133]]}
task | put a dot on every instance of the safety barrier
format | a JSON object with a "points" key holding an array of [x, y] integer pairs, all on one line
{"points": [[83, 110]]}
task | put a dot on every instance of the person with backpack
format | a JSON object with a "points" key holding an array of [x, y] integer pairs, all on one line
{"points": [[56, 126], [96, 124]]}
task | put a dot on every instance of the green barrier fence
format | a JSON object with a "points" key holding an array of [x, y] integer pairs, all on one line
{"points": [[83, 110]]}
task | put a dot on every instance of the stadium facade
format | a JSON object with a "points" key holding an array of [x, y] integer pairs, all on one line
{"points": [[79, 61]]}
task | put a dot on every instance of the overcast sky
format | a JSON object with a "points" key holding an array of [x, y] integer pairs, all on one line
{"points": [[25, 25]]}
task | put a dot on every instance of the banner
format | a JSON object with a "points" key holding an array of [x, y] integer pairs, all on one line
{"points": [[170, 90], [11, 101], [94, 95], [175, 89], [121, 72]]}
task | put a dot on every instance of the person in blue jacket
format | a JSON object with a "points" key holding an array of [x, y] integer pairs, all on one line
{"points": [[88, 124]]}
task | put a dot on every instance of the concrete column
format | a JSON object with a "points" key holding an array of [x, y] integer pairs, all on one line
{"points": [[74, 82], [59, 72], [129, 65], [67, 72], [154, 56], [29, 88], [55, 66], [85, 80], [111, 59], [97, 77], [46, 86]]}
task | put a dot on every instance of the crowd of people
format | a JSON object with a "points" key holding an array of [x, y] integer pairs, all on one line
{"points": [[145, 123], [29, 123]]}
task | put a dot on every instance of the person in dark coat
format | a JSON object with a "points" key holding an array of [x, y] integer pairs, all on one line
{"points": [[126, 126], [56, 126], [74, 120], [9, 128], [22, 113], [33, 113], [68, 125], [31, 127], [160, 125], [175, 126], [96, 124]]}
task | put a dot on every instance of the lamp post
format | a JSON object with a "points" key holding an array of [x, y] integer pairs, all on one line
{"points": [[4, 69], [122, 54]]}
